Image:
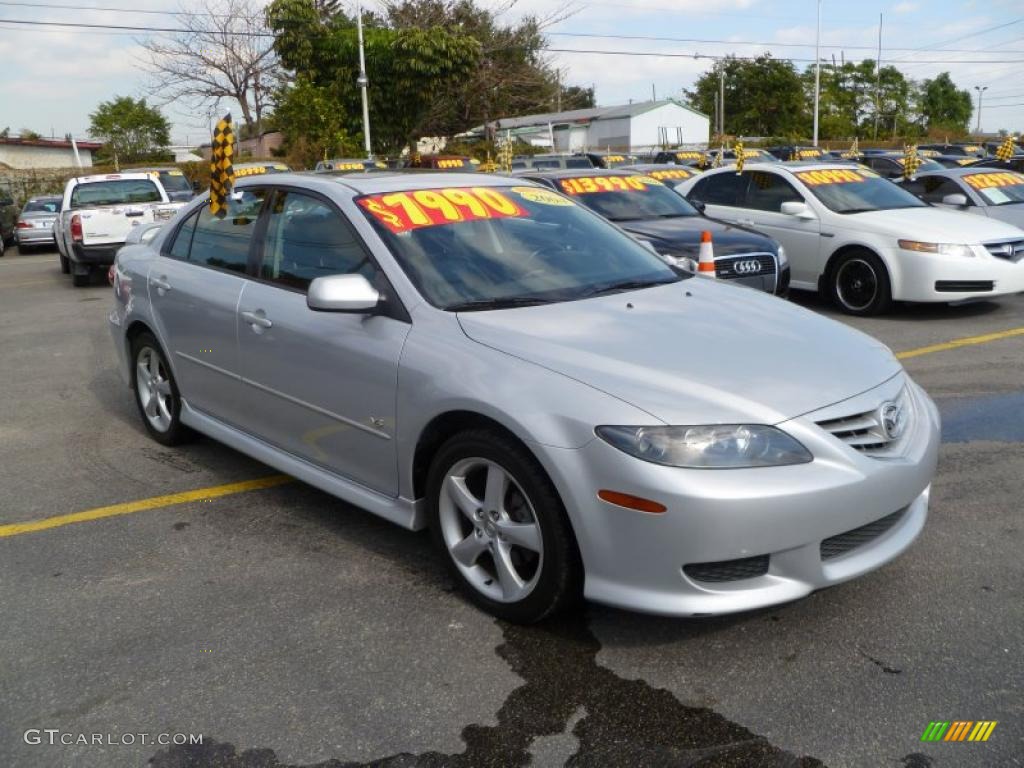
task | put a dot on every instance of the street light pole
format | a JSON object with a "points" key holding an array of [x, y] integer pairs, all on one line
{"points": [[817, 74], [981, 92], [362, 81]]}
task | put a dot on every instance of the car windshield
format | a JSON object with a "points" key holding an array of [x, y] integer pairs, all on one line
{"points": [[476, 248], [1002, 188], [848, 190], [175, 181], [114, 192], [625, 198], [41, 206]]}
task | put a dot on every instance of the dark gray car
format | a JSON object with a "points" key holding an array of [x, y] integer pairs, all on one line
{"points": [[8, 217]]}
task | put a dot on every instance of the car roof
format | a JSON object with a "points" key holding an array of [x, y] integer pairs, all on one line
{"points": [[385, 181], [132, 175], [572, 173]]}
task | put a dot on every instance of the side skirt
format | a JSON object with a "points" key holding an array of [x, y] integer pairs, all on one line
{"points": [[401, 511]]}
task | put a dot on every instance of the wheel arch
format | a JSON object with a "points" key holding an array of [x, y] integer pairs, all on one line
{"points": [[825, 279], [135, 328], [443, 426]]}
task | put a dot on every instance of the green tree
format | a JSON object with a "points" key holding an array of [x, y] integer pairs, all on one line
{"points": [[763, 96], [943, 106], [577, 97], [407, 67], [856, 100], [131, 130], [324, 134]]}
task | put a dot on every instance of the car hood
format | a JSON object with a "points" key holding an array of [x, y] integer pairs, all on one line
{"points": [[932, 225], [683, 235], [694, 352]]}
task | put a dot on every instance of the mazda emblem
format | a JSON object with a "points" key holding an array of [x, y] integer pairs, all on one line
{"points": [[894, 420]]}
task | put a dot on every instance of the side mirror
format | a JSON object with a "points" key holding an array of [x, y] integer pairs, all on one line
{"points": [[798, 209], [197, 187], [957, 200], [342, 293], [700, 205]]}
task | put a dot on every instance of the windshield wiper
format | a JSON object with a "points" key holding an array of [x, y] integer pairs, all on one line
{"points": [[480, 305], [624, 285]]}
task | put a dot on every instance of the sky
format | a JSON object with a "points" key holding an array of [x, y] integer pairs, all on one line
{"points": [[54, 77]]}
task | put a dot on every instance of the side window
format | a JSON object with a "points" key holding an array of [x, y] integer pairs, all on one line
{"points": [[306, 239], [183, 239], [936, 188], [224, 242], [886, 167], [721, 189], [769, 191]]}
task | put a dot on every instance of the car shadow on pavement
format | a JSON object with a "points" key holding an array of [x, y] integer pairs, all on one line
{"points": [[902, 311]]}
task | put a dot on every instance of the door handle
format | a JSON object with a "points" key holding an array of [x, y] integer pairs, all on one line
{"points": [[257, 319], [161, 284]]}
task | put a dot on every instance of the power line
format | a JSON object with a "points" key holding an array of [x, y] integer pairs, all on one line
{"points": [[752, 58], [750, 42]]}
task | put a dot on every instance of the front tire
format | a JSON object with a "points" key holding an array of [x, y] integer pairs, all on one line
{"points": [[156, 392], [501, 527], [859, 284]]}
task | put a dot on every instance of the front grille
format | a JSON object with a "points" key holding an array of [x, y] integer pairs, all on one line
{"points": [[836, 546], [745, 265], [963, 286], [728, 570], [866, 431], [1011, 250]]}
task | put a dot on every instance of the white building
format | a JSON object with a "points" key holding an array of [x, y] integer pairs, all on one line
{"points": [[44, 153], [641, 126]]}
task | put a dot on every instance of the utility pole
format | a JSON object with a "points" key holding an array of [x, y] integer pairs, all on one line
{"points": [[558, 90], [362, 81], [981, 92], [878, 76], [817, 74]]}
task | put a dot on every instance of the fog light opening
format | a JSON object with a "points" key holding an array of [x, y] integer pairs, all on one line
{"points": [[631, 502]]}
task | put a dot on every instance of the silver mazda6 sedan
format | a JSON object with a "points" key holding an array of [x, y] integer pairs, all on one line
{"points": [[569, 415]]}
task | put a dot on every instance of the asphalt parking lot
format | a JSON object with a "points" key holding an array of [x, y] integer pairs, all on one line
{"points": [[290, 629]]}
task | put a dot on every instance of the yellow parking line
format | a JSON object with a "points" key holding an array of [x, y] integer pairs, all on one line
{"points": [[141, 505], [957, 343]]}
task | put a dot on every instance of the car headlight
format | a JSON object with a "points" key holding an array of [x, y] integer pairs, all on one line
{"points": [[715, 446], [783, 258], [946, 249]]}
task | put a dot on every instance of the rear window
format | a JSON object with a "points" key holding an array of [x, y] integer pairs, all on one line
{"points": [[41, 206], [114, 192], [175, 181]]}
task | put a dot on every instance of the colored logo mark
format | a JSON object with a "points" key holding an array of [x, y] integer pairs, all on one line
{"points": [[959, 730]]}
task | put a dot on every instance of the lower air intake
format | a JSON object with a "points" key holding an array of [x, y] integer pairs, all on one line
{"points": [[836, 546], [728, 570]]}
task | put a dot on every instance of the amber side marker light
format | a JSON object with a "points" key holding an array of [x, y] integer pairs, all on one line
{"points": [[631, 502]]}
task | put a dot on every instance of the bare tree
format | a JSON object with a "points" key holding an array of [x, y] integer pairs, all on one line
{"points": [[224, 52]]}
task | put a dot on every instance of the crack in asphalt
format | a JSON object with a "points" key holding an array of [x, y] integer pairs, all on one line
{"points": [[625, 722]]}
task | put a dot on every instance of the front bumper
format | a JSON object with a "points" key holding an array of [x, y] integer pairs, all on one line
{"points": [[641, 561], [930, 277]]}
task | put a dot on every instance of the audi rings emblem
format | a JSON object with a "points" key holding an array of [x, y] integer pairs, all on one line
{"points": [[751, 267]]}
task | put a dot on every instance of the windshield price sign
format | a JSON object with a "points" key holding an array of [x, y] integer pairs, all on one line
{"points": [[406, 211]]}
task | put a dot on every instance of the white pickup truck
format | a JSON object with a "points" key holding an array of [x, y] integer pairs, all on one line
{"points": [[98, 213]]}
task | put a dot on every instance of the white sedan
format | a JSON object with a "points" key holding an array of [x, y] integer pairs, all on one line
{"points": [[862, 239]]}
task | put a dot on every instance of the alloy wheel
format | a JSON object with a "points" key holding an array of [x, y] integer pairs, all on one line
{"points": [[154, 388], [490, 530], [856, 284]]}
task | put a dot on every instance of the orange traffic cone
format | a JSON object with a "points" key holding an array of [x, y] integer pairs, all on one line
{"points": [[706, 266]]}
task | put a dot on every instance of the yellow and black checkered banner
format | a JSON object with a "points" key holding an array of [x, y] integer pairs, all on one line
{"points": [[717, 162], [222, 172], [855, 147], [1006, 149], [911, 161], [737, 149]]}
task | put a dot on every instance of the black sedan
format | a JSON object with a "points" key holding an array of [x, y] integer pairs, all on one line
{"points": [[652, 212]]}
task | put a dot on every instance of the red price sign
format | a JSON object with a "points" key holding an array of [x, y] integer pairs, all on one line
{"points": [[406, 211]]}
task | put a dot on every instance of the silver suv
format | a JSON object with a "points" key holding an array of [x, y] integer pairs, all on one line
{"points": [[570, 415]]}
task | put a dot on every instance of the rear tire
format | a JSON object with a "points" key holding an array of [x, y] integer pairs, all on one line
{"points": [[501, 527], [80, 280], [156, 392], [859, 284]]}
